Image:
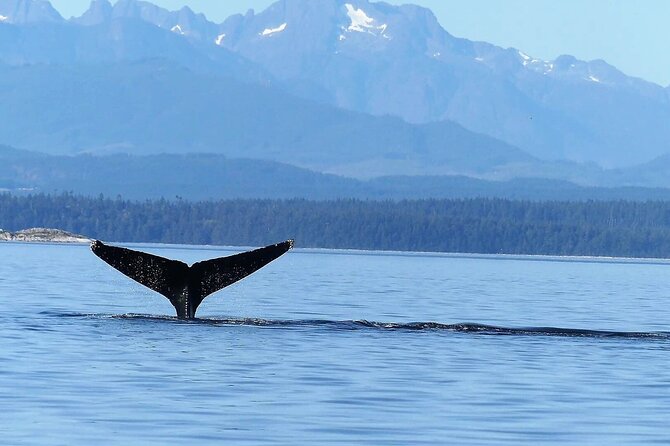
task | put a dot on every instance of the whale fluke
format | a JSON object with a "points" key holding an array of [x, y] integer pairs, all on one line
{"points": [[187, 286]]}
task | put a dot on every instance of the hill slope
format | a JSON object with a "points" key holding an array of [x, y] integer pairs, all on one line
{"points": [[208, 176], [156, 107]]}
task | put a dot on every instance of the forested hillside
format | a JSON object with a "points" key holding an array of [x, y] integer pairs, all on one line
{"points": [[603, 228]]}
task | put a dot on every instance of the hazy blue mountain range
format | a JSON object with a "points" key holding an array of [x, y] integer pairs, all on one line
{"points": [[384, 59], [350, 87], [67, 44], [28, 11], [211, 176], [193, 176], [154, 107]]}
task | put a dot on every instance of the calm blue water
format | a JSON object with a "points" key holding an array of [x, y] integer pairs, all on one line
{"points": [[89, 357]]}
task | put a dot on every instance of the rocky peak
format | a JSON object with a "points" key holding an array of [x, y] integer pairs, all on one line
{"points": [[21, 12], [100, 11]]}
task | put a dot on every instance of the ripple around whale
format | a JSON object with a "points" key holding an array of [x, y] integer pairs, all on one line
{"points": [[471, 328]]}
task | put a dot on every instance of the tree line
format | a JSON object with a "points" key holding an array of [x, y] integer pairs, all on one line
{"points": [[601, 228]]}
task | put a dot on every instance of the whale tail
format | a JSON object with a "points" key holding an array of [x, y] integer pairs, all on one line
{"points": [[187, 286]]}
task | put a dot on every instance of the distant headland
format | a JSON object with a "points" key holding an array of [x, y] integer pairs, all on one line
{"points": [[42, 235]]}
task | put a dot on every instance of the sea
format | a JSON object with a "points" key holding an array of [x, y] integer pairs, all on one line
{"points": [[326, 347]]}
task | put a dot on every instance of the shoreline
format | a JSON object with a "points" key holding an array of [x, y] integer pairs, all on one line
{"points": [[61, 237]]}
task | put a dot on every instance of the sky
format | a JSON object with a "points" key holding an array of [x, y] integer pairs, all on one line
{"points": [[631, 35]]}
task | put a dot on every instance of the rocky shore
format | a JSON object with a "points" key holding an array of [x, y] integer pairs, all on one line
{"points": [[43, 235]]}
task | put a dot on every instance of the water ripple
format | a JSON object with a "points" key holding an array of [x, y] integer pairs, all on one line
{"points": [[361, 324]]}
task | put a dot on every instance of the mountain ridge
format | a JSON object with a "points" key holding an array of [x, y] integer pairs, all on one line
{"points": [[363, 57], [382, 59], [28, 11], [176, 110], [213, 177]]}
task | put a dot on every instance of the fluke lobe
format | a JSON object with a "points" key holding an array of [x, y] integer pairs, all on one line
{"points": [[187, 286]]}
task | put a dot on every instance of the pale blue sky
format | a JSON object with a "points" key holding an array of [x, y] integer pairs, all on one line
{"points": [[631, 35]]}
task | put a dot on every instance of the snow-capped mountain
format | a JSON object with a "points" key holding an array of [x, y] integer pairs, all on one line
{"points": [[184, 22], [374, 58], [106, 34], [383, 59]]}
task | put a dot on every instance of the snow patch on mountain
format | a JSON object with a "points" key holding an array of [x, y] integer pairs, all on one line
{"points": [[362, 23], [219, 39], [592, 78], [531, 62], [3, 18], [271, 31], [177, 29], [537, 65]]}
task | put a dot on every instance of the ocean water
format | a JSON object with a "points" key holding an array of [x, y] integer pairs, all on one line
{"points": [[324, 347]]}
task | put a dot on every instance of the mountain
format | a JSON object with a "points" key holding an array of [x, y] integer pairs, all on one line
{"points": [[193, 176], [117, 40], [382, 59], [159, 107], [350, 87], [655, 173], [184, 22], [22, 12], [208, 176]]}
